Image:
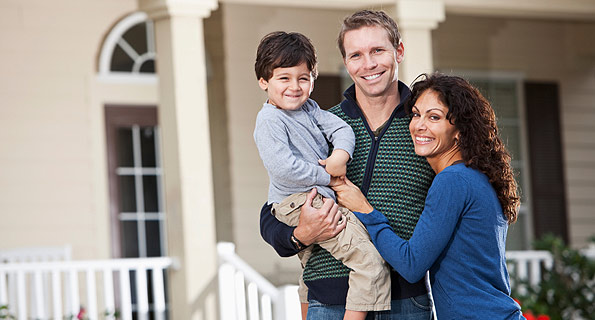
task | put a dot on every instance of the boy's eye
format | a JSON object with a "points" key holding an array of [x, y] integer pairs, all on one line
{"points": [[304, 79], [354, 56]]}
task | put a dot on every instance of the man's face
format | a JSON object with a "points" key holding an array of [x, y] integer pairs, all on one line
{"points": [[372, 61]]}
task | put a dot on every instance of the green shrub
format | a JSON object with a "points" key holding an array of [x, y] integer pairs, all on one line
{"points": [[567, 290]]}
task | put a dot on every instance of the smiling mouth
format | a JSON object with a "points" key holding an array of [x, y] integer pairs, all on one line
{"points": [[372, 77], [423, 139]]}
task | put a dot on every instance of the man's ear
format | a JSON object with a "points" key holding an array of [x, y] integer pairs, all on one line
{"points": [[263, 84], [400, 52]]}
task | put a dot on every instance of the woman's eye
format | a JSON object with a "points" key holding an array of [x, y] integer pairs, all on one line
{"points": [[434, 118]]}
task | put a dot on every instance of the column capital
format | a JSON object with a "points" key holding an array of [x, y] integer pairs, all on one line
{"points": [[419, 14], [159, 9]]}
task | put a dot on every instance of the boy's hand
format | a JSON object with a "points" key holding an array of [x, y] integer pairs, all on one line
{"points": [[336, 163]]}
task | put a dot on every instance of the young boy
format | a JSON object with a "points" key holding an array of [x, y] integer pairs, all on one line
{"points": [[292, 135]]}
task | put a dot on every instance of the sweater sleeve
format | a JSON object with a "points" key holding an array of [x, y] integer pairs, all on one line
{"points": [[283, 166], [276, 233], [337, 131], [444, 205]]}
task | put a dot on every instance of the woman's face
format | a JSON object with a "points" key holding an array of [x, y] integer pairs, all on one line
{"points": [[433, 135]]}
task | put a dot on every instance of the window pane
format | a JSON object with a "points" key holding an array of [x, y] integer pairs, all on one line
{"points": [[516, 234], [153, 239], [127, 194], [511, 137], [147, 142], [150, 194], [148, 67], [137, 37], [130, 239], [503, 97], [125, 151], [121, 61]]}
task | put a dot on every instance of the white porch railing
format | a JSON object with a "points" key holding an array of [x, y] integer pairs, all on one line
{"points": [[526, 265], [245, 294], [102, 286]]}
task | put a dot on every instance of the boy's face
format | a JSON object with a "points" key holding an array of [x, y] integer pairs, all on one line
{"points": [[288, 88]]}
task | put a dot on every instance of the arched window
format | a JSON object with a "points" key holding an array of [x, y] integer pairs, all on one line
{"points": [[128, 52]]}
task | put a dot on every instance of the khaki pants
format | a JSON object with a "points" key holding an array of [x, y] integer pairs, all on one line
{"points": [[369, 279]]}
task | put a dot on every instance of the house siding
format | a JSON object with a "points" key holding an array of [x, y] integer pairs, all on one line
{"points": [[542, 50]]}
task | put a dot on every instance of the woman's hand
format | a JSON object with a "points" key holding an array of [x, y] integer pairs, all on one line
{"points": [[350, 197]]}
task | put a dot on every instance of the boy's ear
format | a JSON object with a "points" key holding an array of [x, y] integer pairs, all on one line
{"points": [[263, 84]]}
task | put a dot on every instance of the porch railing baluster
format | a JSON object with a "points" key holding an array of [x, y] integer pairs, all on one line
{"points": [[142, 301], [57, 294], [125, 294], [158, 294], [21, 302], [108, 293], [39, 312], [91, 294]]}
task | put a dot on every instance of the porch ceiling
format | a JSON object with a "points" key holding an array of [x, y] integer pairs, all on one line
{"points": [[542, 9]]}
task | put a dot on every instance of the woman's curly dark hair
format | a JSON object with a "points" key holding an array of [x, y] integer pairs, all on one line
{"points": [[479, 142]]}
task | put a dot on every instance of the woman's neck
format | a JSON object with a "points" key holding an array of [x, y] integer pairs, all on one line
{"points": [[443, 160]]}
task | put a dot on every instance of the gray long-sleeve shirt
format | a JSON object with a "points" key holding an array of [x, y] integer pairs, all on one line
{"points": [[290, 143]]}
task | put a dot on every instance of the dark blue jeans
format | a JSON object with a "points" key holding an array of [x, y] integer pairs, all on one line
{"points": [[416, 308]]}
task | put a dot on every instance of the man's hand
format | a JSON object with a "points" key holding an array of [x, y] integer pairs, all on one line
{"points": [[318, 224], [336, 163], [351, 197]]}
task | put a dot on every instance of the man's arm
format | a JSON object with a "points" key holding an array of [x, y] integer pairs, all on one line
{"points": [[276, 233], [315, 225]]}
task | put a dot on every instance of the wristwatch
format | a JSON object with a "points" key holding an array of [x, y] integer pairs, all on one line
{"points": [[297, 243]]}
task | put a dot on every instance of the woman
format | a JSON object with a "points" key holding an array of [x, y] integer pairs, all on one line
{"points": [[461, 234]]}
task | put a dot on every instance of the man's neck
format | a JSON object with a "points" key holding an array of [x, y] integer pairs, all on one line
{"points": [[377, 110]]}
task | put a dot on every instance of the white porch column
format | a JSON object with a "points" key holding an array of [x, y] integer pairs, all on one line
{"points": [[417, 19], [184, 122]]}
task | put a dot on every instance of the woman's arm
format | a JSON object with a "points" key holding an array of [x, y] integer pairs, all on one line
{"points": [[444, 204]]}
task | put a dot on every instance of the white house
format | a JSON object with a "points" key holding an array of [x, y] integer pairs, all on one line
{"points": [[126, 125]]}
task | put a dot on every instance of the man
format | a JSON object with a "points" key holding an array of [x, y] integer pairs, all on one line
{"points": [[384, 166]]}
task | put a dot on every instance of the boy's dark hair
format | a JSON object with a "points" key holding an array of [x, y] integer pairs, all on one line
{"points": [[283, 50], [369, 18]]}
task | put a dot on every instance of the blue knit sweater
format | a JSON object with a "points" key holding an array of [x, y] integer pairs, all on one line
{"points": [[460, 237]]}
